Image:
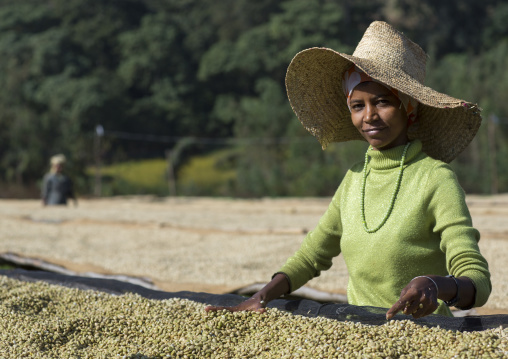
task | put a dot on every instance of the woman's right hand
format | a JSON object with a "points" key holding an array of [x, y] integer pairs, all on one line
{"points": [[278, 286], [252, 304]]}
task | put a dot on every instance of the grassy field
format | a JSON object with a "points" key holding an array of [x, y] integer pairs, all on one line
{"points": [[211, 174]]}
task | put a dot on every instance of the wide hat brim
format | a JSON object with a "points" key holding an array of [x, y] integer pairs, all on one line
{"points": [[445, 125]]}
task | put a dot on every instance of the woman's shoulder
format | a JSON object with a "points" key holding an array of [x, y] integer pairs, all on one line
{"points": [[48, 175], [356, 168], [436, 174], [432, 164]]}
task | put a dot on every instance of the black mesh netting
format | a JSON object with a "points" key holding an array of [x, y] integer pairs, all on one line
{"points": [[304, 307]]}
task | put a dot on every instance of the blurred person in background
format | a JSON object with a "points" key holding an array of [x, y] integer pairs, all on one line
{"points": [[399, 218], [57, 187]]}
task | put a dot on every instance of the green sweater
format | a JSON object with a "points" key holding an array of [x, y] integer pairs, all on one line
{"points": [[428, 232]]}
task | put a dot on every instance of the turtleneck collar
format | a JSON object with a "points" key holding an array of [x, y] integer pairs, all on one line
{"points": [[387, 159]]}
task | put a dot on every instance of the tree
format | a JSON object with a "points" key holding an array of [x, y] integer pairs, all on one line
{"points": [[57, 58]]}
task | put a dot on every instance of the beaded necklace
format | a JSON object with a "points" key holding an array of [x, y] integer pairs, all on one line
{"points": [[394, 195]]}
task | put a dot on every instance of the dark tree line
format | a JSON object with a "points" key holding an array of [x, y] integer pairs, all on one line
{"points": [[215, 69]]}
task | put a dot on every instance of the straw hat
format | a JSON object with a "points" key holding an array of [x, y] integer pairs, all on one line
{"points": [[57, 159], [444, 124]]}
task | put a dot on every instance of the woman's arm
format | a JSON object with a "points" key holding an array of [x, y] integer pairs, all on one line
{"points": [[459, 241], [278, 286], [314, 255], [45, 188]]}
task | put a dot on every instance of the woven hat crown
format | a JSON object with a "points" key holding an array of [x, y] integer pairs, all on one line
{"points": [[397, 52]]}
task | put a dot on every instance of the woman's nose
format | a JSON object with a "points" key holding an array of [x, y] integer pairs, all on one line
{"points": [[370, 113]]}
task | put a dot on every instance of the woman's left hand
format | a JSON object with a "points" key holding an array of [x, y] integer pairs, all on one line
{"points": [[418, 298]]}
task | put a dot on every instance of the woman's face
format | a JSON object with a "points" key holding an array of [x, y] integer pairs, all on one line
{"points": [[376, 114], [57, 167]]}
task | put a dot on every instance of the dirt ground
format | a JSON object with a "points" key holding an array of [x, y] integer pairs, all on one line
{"points": [[203, 244]]}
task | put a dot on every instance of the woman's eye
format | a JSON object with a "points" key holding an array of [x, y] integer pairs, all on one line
{"points": [[357, 107]]}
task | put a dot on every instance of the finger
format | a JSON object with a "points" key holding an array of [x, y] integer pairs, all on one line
{"points": [[427, 307], [213, 308], [408, 307], [406, 303], [418, 310], [412, 300], [411, 307], [424, 308], [237, 308], [423, 311], [397, 307]]}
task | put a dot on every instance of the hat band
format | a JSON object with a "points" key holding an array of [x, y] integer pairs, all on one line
{"points": [[354, 76]]}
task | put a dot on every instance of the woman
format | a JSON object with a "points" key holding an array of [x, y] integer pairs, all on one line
{"points": [[399, 218]]}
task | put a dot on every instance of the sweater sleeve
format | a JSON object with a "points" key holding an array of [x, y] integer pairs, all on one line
{"points": [[459, 239], [318, 249]]}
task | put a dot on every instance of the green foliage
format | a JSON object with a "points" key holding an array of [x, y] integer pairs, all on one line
{"points": [[210, 175], [483, 159], [134, 177], [213, 174], [147, 174], [154, 67]]}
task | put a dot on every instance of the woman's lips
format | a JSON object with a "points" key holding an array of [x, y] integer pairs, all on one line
{"points": [[373, 131]]}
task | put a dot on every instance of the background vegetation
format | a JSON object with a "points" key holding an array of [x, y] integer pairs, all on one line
{"points": [[198, 86]]}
